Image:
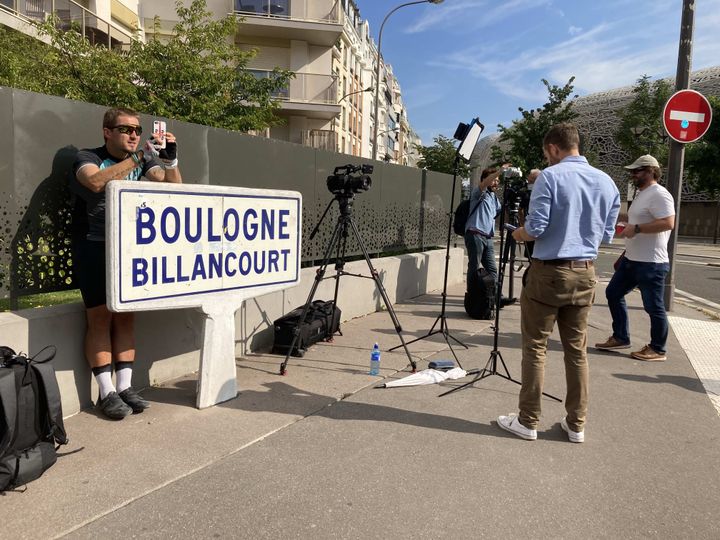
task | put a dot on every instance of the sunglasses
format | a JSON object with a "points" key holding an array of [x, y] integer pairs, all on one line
{"points": [[637, 171], [128, 130]]}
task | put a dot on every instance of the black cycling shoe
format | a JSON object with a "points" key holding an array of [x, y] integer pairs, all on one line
{"points": [[113, 407], [133, 399]]}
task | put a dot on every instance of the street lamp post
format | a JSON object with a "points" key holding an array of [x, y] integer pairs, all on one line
{"points": [[377, 67], [368, 89]]}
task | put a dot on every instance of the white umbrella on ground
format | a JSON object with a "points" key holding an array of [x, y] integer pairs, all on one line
{"points": [[426, 376]]}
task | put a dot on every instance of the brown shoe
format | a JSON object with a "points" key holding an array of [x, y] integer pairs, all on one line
{"points": [[647, 354], [612, 344]]}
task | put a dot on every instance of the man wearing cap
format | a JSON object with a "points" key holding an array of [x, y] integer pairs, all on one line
{"points": [[573, 208], [645, 262]]}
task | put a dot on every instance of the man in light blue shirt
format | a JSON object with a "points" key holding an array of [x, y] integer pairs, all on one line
{"points": [[573, 208], [480, 225]]}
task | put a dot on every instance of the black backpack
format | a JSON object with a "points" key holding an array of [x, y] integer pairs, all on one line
{"points": [[31, 420], [462, 213], [480, 295]]}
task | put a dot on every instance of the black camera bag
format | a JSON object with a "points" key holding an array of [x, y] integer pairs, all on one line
{"points": [[31, 421], [480, 295], [321, 323]]}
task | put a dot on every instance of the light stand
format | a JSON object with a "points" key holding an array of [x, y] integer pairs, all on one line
{"points": [[491, 367], [468, 136], [338, 240]]}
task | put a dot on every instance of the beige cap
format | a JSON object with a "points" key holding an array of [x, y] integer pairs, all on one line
{"points": [[643, 161]]}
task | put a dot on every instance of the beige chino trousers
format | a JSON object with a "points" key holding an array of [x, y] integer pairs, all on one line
{"points": [[564, 295]]}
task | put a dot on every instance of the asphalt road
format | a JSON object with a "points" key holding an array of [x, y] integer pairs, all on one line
{"points": [[693, 274], [697, 275]]}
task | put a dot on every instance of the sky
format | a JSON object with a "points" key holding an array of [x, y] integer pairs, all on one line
{"points": [[485, 58]]}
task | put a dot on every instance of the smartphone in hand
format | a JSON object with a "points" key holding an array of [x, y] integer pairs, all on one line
{"points": [[159, 130], [510, 227]]}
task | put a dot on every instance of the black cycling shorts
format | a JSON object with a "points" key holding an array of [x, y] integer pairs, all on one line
{"points": [[89, 269]]}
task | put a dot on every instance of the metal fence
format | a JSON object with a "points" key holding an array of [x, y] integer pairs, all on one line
{"points": [[405, 209]]}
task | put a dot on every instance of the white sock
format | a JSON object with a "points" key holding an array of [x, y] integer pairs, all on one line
{"points": [[123, 375], [103, 376]]}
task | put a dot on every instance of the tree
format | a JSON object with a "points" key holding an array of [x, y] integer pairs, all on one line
{"points": [[521, 143], [440, 157], [640, 128], [196, 75], [702, 158], [22, 61]]}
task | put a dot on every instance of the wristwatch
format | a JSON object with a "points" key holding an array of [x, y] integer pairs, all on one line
{"points": [[637, 229]]}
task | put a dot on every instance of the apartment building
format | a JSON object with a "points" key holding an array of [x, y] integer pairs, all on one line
{"points": [[329, 103], [298, 35], [112, 23], [351, 68]]}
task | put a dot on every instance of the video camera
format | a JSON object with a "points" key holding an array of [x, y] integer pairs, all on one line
{"points": [[349, 179], [516, 186]]}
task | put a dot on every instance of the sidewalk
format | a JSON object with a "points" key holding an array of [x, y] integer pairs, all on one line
{"points": [[320, 453]]}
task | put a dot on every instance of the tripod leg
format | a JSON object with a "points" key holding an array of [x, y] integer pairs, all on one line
{"points": [[339, 266], [319, 276], [383, 293], [511, 245]]}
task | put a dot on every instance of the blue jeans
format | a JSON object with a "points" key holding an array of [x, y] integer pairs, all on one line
{"points": [[480, 251], [650, 279]]}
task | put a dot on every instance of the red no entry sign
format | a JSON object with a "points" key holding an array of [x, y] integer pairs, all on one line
{"points": [[687, 116]]}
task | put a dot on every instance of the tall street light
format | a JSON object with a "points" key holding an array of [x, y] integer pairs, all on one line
{"points": [[368, 89], [377, 68]]}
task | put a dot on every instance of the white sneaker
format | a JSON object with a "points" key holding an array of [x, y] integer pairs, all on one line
{"points": [[512, 424], [573, 436]]}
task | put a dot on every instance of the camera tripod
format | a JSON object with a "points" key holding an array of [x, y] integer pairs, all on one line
{"points": [[442, 318], [507, 252], [510, 248], [338, 241]]}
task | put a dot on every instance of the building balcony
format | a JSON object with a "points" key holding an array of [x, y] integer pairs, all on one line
{"points": [[324, 139], [317, 21], [312, 94], [71, 15]]}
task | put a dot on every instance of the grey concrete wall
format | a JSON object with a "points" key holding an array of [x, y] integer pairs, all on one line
{"points": [[405, 209], [168, 341]]}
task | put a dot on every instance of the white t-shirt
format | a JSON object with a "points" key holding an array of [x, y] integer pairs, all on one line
{"points": [[653, 202]]}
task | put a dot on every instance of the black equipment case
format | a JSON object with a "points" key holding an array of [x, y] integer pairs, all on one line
{"points": [[321, 323], [480, 295]]}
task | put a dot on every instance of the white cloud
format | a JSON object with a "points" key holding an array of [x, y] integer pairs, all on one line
{"points": [[442, 14], [473, 14], [423, 95], [519, 76], [605, 46], [607, 55]]}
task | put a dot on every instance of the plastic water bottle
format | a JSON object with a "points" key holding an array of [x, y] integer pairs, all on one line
{"points": [[375, 360]]}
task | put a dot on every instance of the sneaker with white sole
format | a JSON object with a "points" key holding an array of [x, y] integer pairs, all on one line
{"points": [[511, 423], [573, 436], [612, 344], [648, 354]]}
